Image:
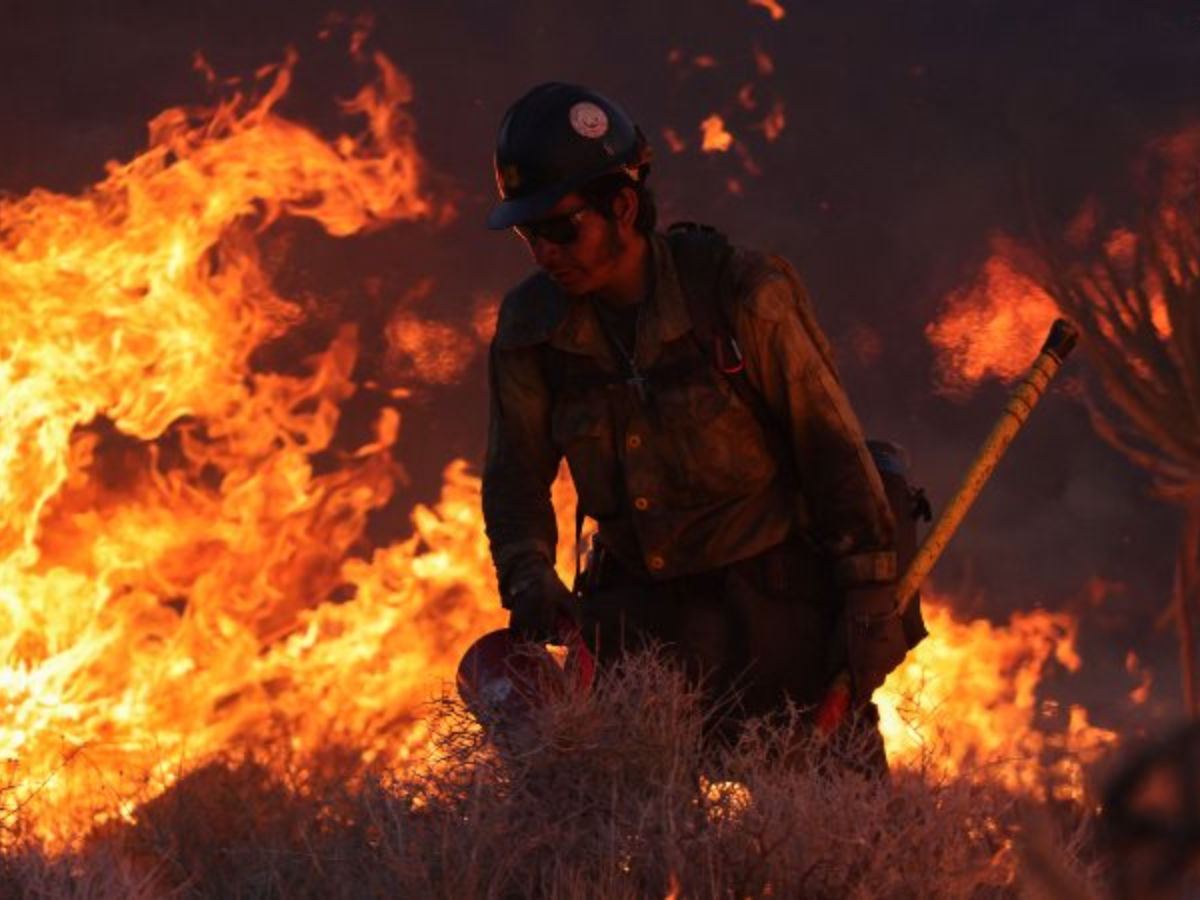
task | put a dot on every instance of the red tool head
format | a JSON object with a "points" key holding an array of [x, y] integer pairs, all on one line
{"points": [[503, 679]]}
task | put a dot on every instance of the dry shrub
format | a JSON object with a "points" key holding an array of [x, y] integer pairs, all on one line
{"points": [[618, 795]]}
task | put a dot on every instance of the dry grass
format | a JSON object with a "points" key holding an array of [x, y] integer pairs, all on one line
{"points": [[598, 798]]}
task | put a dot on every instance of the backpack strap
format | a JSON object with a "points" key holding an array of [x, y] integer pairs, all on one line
{"points": [[703, 259]]}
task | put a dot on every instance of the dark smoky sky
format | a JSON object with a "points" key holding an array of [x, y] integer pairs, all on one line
{"points": [[914, 130]]}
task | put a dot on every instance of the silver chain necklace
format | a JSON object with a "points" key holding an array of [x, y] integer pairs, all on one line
{"points": [[636, 380]]}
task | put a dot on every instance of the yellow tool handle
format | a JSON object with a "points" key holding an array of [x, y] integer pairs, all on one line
{"points": [[1024, 397]]}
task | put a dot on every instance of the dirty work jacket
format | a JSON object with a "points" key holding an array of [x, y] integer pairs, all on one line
{"points": [[684, 480]]}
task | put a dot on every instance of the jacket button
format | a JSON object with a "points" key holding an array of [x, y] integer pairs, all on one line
{"points": [[641, 504], [657, 563], [633, 441]]}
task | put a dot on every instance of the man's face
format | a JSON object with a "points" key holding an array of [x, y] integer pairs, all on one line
{"points": [[576, 246]]}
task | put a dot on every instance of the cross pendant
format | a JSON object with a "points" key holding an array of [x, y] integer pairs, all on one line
{"points": [[638, 382]]}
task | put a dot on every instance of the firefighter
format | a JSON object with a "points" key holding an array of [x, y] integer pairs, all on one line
{"points": [[742, 524]]}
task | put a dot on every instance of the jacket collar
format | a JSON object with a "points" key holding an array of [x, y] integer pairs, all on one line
{"points": [[664, 318]]}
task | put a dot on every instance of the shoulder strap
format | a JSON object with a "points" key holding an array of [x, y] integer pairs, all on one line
{"points": [[702, 258]]}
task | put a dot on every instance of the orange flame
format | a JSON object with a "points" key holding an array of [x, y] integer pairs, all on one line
{"points": [[965, 702], [1140, 694], [1121, 247], [427, 352], [993, 326], [168, 548], [714, 137], [985, 324], [775, 121], [772, 6]]}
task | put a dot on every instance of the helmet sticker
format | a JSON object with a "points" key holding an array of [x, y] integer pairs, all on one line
{"points": [[589, 120]]}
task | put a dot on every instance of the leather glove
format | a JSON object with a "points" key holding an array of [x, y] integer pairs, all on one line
{"points": [[538, 602], [874, 635]]}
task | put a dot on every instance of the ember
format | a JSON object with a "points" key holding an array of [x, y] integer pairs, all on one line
{"points": [[772, 6], [715, 139]]}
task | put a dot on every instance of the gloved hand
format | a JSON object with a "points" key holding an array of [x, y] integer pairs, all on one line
{"points": [[538, 601], [874, 635]]}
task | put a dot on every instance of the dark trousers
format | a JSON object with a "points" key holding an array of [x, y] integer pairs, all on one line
{"points": [[757, 635]]}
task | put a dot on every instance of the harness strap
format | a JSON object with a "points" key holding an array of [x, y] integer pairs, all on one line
{"points": [[703, 257]]}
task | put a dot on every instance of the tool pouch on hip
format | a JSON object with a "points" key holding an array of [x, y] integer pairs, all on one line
{"points": [[909, 505]]}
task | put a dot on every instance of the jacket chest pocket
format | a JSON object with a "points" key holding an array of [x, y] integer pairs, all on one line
{"points": [[585, 434], [718, 446]]}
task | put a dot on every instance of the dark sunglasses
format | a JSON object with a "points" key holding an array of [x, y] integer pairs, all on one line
{"points": [[560, 230]]}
